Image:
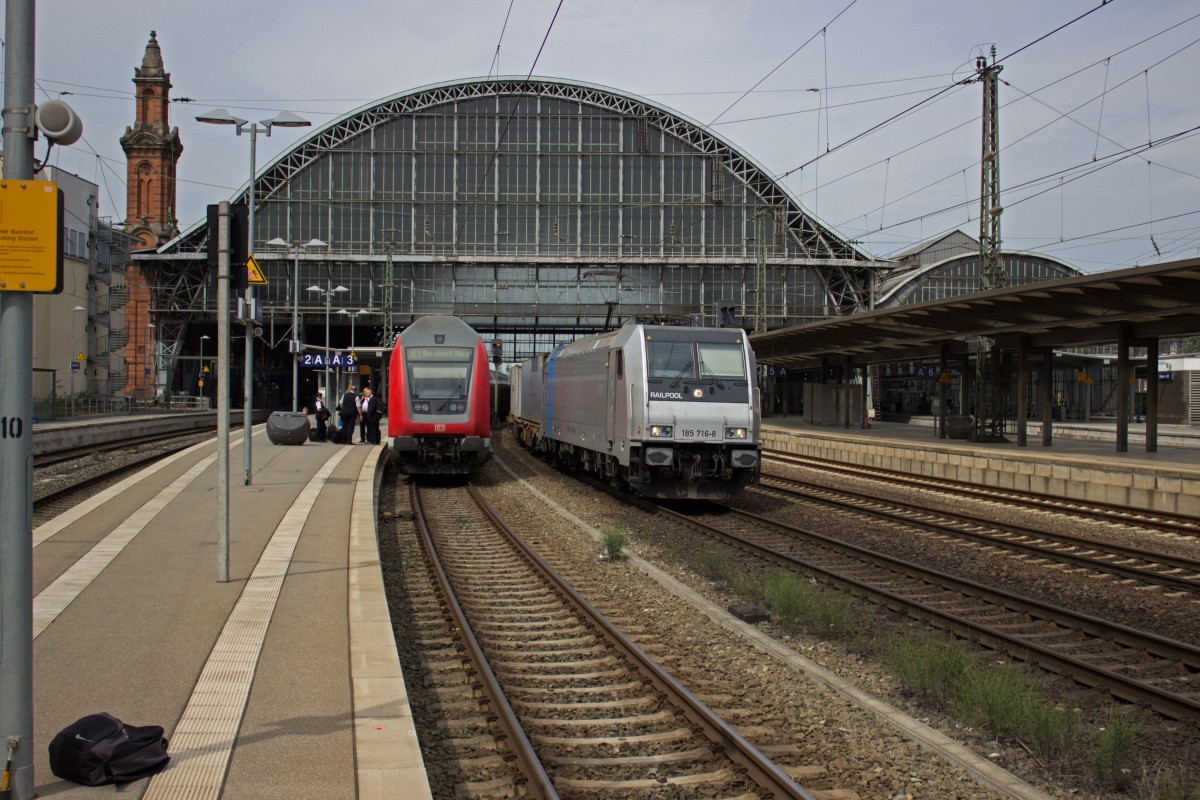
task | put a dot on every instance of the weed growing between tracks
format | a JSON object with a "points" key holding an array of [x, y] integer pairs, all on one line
{"points": [[1006, 699], [616, 539], [1160, 782], [1112, 752]]}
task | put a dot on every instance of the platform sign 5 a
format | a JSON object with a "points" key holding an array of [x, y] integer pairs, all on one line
{"points": [[31, 236]]}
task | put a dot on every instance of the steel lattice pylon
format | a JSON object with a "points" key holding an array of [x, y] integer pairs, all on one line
{"points": [[988, 381]]}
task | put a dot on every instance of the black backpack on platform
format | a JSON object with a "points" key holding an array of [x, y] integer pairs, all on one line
{"points": [[100, 749]]}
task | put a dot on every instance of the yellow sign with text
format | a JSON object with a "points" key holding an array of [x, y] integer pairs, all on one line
{"points": [[30, 237]]}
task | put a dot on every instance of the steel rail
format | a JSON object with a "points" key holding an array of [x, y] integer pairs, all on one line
{"points": [[67, 454], [1183, 524], [1130, 689], [765, 772], [54, 495], [1135, 573], [538, 783]]}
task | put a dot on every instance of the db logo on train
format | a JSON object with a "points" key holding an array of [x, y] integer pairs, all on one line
{"points": [[439, 427]]}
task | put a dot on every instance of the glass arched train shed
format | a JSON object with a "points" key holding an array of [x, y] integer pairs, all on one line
{"points": [[948, 266], [535, 209]]}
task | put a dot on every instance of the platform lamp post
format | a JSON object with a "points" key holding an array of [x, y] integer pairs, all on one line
{"points": [[329, 293], [353, 315], [146, 366], [74, 360], [294, 346], [202, 338], [284, 119]]}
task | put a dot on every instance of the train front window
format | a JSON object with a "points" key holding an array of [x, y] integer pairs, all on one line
{"points": [[438, 373], [722, 361], [670, 359]]}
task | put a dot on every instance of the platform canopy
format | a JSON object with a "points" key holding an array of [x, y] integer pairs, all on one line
{"points": [[1152, 302]]}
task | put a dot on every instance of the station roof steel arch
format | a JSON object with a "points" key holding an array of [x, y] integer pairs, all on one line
{"points": [[541, 288], [818, 239], [1152, 302], [898, 289]]}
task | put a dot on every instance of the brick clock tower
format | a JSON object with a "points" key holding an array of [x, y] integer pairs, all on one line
{"points": [[152, 149]]}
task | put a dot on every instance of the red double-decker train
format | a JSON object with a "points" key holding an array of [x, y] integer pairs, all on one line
{"points": [[439, 413]]}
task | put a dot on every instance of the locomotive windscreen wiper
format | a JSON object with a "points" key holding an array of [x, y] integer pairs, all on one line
{"points": [[705, 368], [679, 376]]}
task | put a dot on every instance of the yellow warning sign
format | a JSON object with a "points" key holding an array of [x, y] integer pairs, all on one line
{"points": [[254, 273], [80, 357]]}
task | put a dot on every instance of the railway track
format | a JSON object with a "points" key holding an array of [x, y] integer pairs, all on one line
{"points": [[1141, 668], [1179, 524], [1129, 563], [48, 502], [70, 454], [583, 712]]}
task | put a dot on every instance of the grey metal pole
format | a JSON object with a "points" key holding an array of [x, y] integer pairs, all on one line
{"points": [[248, 389], [223, 392], [72, 368], [16, 430], [203, 404], [328, 296], [296, 335], [145, 369]]}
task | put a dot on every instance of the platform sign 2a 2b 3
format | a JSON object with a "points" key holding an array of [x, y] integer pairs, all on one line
{"points": [[31, 237]]}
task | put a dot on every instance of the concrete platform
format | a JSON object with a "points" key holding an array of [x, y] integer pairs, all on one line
{"points": [[95, 431], [282, 682], [1081, 463]]}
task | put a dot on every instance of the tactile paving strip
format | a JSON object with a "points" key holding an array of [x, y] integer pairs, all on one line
{"points": [[43, 532], [203, 741], [54, 599]]}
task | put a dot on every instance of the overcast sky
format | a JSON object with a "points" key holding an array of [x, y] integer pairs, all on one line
{"points": [[867, 60]]}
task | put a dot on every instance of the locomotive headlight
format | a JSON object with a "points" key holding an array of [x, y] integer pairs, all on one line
{"points": [[735, 433], [662, 431]]}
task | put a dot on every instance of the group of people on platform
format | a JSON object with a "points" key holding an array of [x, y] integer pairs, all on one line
{"points": [[354, 410]]}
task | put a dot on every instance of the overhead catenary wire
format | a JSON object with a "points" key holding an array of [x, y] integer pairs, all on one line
{"points": [[1089, 167], [1100, 119], [1061, 114], [1067, 114], [1031, 95], [508, 121], [495, 65], [776, 68], [933, 97]]}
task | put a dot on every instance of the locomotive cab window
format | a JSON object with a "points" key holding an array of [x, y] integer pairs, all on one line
{"points": [[721, 361], [669, 360]]}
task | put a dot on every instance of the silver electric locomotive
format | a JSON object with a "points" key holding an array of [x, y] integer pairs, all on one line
{"points": [[674, 411]]}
